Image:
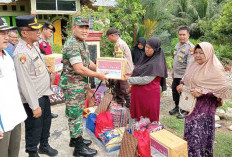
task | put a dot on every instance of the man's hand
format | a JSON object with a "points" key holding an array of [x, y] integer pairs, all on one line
{"points": [[1, 135], [180, 88], [102, 76], [195, 93], [37, 112]]}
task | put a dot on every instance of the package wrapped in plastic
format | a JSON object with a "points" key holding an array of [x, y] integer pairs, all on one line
{"points": [[112, 137], [142, 123], [119, 115]]}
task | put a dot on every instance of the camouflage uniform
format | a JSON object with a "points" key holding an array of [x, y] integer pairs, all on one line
{"points": [[73, 84]]}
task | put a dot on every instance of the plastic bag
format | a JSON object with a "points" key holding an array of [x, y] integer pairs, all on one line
{"points": [[90, 122], [143, 143], [104, 122]]}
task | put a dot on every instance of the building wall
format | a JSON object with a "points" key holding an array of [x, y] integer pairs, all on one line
{"points": [[22, 7]]}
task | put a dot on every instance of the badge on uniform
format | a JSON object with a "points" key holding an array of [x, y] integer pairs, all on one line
{"points": [[29, 46], [40, 69], [23, 59], [183, 50], [179, 59]]}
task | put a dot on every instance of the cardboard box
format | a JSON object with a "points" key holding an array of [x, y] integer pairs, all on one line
{"points": [[115, 66], [53, 62], [166, 144]]}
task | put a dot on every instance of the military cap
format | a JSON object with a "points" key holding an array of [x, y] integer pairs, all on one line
{"points": [[27, 21], [49, 26], [112, 31], [81, 21], [4, 26]]}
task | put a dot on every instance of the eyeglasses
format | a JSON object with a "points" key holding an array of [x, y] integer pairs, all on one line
{"points": [[13, 37]]}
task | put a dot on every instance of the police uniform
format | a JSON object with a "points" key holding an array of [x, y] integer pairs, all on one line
{"points": [[182, 58], [34, 85], [75, 89]]}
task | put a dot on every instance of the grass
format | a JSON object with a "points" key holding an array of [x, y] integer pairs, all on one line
{"points": [[174, 124], [223, 147], [226, 105]]}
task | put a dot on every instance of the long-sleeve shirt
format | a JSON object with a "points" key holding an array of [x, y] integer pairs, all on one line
{"points": [[126, 54], [32, 74], [138, 80]]}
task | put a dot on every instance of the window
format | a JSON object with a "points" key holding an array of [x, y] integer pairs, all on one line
{"points": [[22, 8], [4, 7], [13, 7], [56, 5]]}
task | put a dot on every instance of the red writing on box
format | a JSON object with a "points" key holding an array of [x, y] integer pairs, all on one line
{"points": [[110, 65]]}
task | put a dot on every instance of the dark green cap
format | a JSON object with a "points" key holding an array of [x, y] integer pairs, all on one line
{"points": [[81, 21]]}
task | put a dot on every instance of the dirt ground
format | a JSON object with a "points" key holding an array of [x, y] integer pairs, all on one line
{"points": [[60, 134]]}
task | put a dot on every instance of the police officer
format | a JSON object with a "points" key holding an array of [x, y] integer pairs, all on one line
{"points": [[182, 58], [47, 30], [77, 68], [122, 50], [34, 85]]}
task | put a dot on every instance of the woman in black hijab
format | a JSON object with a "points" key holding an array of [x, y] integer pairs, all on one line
{"points": [[138, 50], [149, 74]]}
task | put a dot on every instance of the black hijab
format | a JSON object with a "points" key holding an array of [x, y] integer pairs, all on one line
{"points": [[136, 52], [154, 65]]}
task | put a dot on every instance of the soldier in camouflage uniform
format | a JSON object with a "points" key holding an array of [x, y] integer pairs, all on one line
{"points": [[74, 82]]}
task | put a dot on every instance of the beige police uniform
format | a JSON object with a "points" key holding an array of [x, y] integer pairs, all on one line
{"points": [[182, 58], [34, 85], [32, 74]]}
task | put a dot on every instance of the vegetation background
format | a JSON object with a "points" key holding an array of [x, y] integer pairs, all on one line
{"points": [[209, 20]]}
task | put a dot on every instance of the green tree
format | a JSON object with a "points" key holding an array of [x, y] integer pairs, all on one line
{"points": [[222, 26], [125, 16]]}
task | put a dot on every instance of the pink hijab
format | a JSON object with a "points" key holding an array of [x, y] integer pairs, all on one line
{"points": [[210, 77]]}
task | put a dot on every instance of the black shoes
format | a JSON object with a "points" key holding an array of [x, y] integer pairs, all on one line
{"points": [[33, 154], [83, 150], [74, 140], [174, 111], [182, 115], [53, 115], [48, 150]]}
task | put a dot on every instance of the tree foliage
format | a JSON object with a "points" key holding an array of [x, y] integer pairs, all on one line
{"points": [[222, 26], [127, 15]]}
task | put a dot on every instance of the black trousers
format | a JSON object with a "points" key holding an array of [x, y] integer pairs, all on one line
{"points": [[122, 96], [37, 130], [175, 94]]}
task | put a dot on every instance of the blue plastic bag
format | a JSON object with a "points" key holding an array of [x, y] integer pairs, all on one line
{"points": [[90, 122]]}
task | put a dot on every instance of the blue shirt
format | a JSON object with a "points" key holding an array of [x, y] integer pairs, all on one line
{"points": [[11, 47]]}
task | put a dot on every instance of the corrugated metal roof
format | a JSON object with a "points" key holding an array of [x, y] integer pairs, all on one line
{"points": [[104, 3]]}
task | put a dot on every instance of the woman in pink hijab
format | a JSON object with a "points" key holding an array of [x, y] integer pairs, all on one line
{"points": [[207, 79]]}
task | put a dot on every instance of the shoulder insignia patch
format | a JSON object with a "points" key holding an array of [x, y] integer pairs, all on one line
{"points": [[23, 59]]}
